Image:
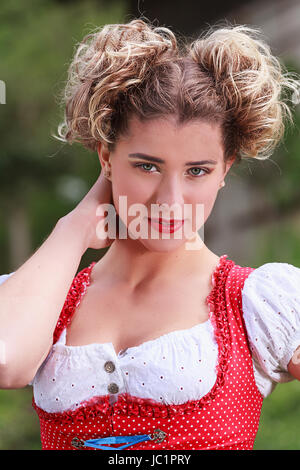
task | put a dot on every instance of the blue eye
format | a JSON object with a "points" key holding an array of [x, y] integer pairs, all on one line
{"points": [[143, 165], [200, 169]]}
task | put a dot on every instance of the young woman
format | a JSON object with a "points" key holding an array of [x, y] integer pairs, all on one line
{"points": [[158, 345]]}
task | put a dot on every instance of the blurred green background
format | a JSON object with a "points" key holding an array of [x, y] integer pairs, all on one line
{"points": [[42, 179]]}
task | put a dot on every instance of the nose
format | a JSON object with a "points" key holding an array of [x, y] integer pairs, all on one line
{"points": [[169, 196]]}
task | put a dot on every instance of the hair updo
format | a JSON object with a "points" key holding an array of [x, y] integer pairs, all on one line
{"points": [[227, 76]]}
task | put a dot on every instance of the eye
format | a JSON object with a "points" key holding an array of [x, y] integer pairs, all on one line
{"points": [[142, 165], [206, 171], [147, 170]]}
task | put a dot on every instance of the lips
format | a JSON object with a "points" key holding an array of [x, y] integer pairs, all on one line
{"points": [[166, 221], [166, 225]]}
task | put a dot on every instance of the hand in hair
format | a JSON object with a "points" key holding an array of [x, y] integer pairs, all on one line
{"points": [[89, 214]]}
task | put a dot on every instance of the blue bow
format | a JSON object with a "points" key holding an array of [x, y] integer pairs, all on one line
{"points": [[157, 436], [129, 440]]}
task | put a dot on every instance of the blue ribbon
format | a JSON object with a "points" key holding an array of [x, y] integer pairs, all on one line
{"points": [[129, 440]]}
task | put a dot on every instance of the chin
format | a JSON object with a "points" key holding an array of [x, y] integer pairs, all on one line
{"points": [[162, 246]]}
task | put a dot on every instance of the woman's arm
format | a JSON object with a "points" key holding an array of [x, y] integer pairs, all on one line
{"points": [[294, 364], [32, 298], [31, 301]]}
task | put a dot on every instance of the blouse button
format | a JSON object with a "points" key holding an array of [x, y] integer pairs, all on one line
{"points": [[109, 366], [113, 388]]}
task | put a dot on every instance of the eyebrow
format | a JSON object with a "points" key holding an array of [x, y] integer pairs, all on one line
{"points": [[150, 158]]}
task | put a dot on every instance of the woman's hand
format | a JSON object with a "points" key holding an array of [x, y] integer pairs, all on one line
{"points": [[87, 215]]}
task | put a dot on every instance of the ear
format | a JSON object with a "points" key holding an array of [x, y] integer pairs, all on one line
{"points": [[104, 156], [228, 165]]}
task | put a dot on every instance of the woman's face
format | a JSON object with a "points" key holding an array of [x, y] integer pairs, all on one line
{"points": [[169, 172]]}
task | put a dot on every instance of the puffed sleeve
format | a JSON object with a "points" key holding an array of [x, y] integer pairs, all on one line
{"points": [[271, 309]]}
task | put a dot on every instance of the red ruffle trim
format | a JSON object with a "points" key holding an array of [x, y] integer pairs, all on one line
{"points": [[127, 404], [75, 294]]}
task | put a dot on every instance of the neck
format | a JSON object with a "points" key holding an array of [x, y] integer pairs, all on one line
{"points": [[127, 261]]}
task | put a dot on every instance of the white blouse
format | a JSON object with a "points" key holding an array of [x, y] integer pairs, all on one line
{"points": [[180, 365]]}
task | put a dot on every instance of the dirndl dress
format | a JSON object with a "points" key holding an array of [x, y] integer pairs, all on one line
{"points": [[225, 418]]}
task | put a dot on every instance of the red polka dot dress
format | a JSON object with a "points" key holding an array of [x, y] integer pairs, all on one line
{"points": [[226, 416], [197, 388]]}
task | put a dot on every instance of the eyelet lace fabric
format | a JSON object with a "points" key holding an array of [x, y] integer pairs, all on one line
{"points": [[254, 317], [227, 417], [136, 406]]}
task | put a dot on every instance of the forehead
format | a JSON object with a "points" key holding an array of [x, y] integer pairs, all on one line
{"points": [[163, 137]]}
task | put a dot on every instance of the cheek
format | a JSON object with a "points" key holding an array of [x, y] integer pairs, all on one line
{"points": [[128, 195], [132, 192], [209, 196], [132, 195], [202, 201], [208, 206]]}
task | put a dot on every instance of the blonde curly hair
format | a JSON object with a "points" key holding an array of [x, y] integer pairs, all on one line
{"points": [[227, 76]]}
